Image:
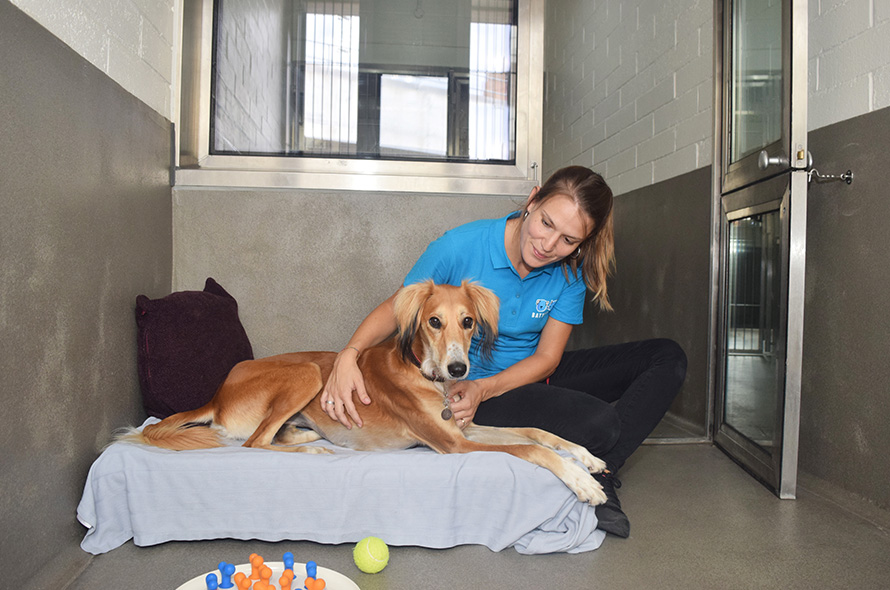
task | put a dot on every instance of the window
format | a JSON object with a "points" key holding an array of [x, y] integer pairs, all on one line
{"points": [[278, 92]]}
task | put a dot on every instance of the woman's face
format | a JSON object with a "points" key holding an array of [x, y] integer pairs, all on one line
{"points": [[553, 230]]}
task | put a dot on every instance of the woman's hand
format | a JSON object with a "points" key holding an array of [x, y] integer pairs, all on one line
{"points": [[464, 398], [345, 378]]}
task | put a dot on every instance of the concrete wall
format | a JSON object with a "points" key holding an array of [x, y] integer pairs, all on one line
{"points": [[307, 266], [845, 397], [660, 289], [84, 227]]}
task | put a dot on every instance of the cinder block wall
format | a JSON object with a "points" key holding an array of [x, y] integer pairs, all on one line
{"points": [[849, 66], [629, 89], [132, 41]]}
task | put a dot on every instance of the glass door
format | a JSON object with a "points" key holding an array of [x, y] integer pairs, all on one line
{"points": [[762, 239]]}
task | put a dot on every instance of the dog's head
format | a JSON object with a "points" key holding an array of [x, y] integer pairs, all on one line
{"points": [[444, 319]]}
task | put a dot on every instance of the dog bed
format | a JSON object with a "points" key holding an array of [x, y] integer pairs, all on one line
{"points": [[186, 344], [410, 497]]}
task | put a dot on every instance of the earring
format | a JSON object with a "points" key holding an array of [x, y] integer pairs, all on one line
{"points": [[525, 214], [576, 254]]}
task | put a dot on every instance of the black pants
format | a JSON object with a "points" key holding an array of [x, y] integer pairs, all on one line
{"points": [[606, 399]]}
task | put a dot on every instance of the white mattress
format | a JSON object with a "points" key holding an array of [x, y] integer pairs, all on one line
{"points": [[411, 497]]}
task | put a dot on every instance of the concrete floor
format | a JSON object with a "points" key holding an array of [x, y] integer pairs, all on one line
{"points": [[697, 522]]}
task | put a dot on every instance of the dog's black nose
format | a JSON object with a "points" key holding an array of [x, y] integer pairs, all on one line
{"points": [[457, 370]]}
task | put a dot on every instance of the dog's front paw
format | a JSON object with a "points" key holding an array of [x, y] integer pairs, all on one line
{"points": [[593, 464], [585, 487]]}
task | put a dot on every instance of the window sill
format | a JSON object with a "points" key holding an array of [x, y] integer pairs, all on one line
{"points": [[360, 175]]}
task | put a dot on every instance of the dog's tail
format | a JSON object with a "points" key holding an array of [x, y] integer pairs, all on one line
{"points": [[184, 431]]}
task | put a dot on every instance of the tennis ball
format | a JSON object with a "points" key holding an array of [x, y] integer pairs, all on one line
{"points": [[371, 555]]}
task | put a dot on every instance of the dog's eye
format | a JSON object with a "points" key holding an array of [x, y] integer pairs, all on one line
{"points": [[435, 323], [468, 323]]}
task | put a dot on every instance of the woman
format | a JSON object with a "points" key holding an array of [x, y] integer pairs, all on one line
{"points": [[540, 262]]}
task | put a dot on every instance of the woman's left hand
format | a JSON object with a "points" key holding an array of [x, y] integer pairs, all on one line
{"points": [[464, 398]]}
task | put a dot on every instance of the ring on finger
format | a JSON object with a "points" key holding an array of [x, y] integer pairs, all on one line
{"points": [[332, 403]]}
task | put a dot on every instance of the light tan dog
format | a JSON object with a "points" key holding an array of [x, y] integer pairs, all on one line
{"points": [[274, 403]]}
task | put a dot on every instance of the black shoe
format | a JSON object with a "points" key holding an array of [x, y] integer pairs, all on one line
{"points": [[610, 516]]}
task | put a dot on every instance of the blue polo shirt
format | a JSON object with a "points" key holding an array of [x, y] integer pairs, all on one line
{"points": [[476, 251]]}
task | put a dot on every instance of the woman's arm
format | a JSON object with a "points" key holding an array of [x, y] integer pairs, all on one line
{"points": [[345, 376], [536, 367]]}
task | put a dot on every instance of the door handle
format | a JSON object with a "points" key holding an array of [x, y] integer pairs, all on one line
{"points": [[764, 160]]}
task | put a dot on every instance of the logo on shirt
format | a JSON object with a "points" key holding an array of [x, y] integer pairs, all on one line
{"points": [[543, 307]]}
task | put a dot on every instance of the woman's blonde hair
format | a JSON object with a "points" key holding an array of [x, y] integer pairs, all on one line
{"points": [[596, 253]]}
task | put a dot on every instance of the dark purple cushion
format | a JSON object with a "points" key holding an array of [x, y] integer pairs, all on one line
{"points": [[187, 344]]}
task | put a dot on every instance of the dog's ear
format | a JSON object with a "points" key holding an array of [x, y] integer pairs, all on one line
{"points": [[407, 306], [487, 309]]}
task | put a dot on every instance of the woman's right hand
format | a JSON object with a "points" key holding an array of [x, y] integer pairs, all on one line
{"points": [[336, 398]]}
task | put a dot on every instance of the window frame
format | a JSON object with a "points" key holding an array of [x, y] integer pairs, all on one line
{"points": [[197, 167]]}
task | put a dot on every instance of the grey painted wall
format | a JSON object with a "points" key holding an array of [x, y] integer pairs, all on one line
{"points": [[660, 288], [306, 267], [84, 227], [845, 392]]}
